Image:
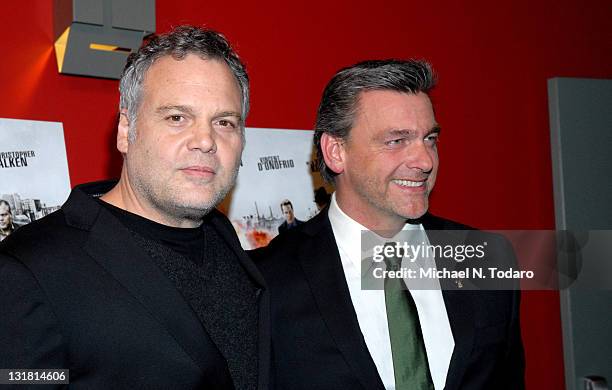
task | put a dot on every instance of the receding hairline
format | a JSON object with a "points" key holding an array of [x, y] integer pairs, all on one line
{"points": [[218, 60], [183, 57]]}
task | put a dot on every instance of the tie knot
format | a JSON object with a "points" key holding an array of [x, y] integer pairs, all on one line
{"points": [[392, 260]]}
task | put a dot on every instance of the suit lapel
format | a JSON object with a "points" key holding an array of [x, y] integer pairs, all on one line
{"points": [[323, 269], [460, 314], [458, 304], [112, 246]]}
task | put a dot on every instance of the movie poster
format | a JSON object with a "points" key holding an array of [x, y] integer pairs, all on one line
{"points": [[34, 177], [278, 166]]}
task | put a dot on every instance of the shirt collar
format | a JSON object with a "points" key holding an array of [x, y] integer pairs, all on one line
{"points": [[348, 232]]}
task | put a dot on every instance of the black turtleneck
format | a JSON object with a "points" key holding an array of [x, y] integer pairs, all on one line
{"points": [[189, 242], [209, 276]]}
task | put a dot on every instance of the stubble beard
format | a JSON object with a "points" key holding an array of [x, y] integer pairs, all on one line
{"points": [[169, 201], [388, 205], [197, 210]]}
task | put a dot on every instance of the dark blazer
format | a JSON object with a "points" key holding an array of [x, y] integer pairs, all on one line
{"points": [[76, 292], [283, 226], [316, 339]]}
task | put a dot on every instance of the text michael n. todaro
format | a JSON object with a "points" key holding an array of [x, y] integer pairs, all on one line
{"points": [[444, 273]]}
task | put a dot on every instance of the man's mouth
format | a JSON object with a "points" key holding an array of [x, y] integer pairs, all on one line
{"points": [[199, 170], [409, 183]]}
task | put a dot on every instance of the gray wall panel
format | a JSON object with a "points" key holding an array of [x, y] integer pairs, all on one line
{"points": [[581, 146]]}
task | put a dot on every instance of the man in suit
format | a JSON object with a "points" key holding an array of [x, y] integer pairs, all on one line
{"points": [[141, 283], [376, 137], [290, 220]]}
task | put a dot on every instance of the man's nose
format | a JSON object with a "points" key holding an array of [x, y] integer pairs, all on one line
{"points": [[420, 156], [202, 138]]}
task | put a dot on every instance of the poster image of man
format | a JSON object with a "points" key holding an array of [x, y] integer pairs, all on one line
{"points": [[6, 220], [276, 165], [290, 220]]}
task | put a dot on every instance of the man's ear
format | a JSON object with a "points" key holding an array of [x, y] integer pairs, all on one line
{"points": [[333, 152], [123, 128]]}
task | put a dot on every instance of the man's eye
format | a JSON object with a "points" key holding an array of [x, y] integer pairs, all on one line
{"points": [[226, 123], [394, 142], [432, 139], [175, 118]]}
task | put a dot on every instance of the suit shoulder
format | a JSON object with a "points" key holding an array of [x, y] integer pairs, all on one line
{"points": [[433, 222], [436, 223], [284, 247], [36, 230], [49, 236], [281, 243]]}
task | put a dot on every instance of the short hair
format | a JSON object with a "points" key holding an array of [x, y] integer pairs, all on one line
{"points": [[4, 202], [340, 98], [286, 202], [178, 43]]}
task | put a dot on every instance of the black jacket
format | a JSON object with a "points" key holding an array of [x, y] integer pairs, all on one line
{"points": [[77, 292], [316, 340]]}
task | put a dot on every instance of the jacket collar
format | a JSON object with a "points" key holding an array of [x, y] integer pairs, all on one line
{"points": [[82, 211]]}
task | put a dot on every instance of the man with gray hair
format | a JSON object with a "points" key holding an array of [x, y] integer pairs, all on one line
{"points": [[376, 137], [141, 283]]}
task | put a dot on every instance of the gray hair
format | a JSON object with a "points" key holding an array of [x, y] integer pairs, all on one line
{"points": [[340, 98], [178, 43]]}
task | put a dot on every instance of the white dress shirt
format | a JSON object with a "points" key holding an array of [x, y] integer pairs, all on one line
{"points": [[371, 310]]}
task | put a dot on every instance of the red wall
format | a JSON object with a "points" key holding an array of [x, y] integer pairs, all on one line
{"points": [[493, 59]]}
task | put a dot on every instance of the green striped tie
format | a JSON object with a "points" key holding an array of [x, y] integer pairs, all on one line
{"points": [[407, 347]]}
